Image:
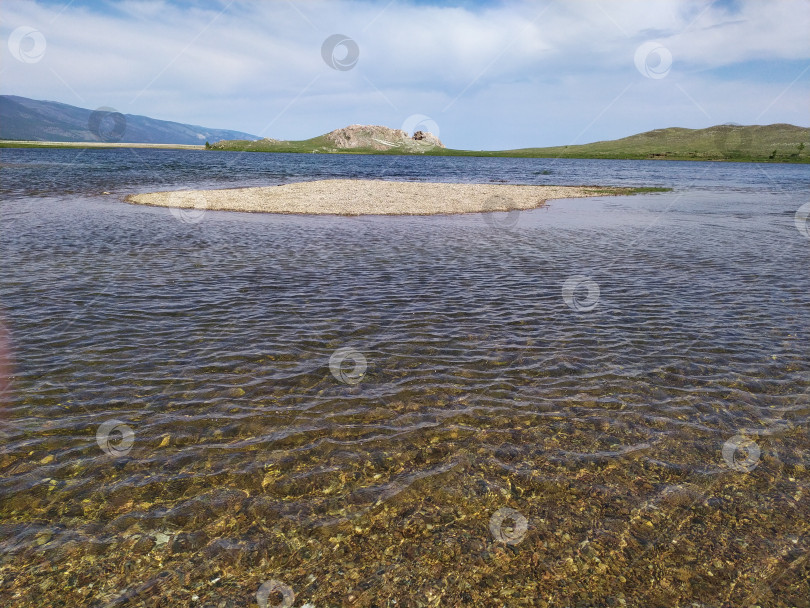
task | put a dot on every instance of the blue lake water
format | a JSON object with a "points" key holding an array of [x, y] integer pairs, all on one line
{"points": [[630, 374]]}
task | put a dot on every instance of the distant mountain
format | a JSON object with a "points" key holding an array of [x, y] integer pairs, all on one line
{"points": [[31, 120]]}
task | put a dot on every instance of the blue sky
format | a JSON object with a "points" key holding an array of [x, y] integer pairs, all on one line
{"points": [[485, 75]]}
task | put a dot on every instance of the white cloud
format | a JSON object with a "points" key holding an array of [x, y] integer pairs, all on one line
{"points": [[487, 76]]}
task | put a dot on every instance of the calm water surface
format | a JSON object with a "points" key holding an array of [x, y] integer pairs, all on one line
{"points": [[629, 375]]}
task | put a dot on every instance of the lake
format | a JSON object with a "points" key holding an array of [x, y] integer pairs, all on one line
{"points": [[601, 402]]}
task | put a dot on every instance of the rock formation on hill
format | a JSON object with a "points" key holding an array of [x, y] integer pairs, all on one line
{"points": [[381, 138], [428, 138]]}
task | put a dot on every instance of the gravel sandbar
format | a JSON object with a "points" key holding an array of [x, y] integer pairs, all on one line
{"points": [[367, 197]]}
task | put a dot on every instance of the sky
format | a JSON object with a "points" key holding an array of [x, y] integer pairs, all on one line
{"points": [[480, 74]]}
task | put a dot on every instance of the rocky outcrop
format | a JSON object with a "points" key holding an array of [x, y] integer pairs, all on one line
{"points": [[428, 138], [381, 138]]}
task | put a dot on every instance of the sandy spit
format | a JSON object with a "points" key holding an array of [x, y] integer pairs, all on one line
{"points": [[365, 197]]}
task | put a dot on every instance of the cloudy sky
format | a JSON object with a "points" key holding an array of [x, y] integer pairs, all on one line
{"points": [[484, 74]]}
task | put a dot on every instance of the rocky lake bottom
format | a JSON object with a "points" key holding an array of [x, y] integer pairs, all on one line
{"points": [[603, 402]]}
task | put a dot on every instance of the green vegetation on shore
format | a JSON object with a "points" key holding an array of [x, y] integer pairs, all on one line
{"points": [[770, 143], [778, 143], [624, 191]]}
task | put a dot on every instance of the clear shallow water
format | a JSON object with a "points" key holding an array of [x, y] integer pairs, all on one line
{"points": [[612, 429]]}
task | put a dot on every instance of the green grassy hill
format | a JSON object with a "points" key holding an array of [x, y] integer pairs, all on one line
{"points": [[316, 144], [769, 143], [780, 143]]}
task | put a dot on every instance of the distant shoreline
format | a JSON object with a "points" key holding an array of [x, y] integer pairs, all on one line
{"points": [[11, 143], [374, 197], [777, 143], [527, 153]]}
